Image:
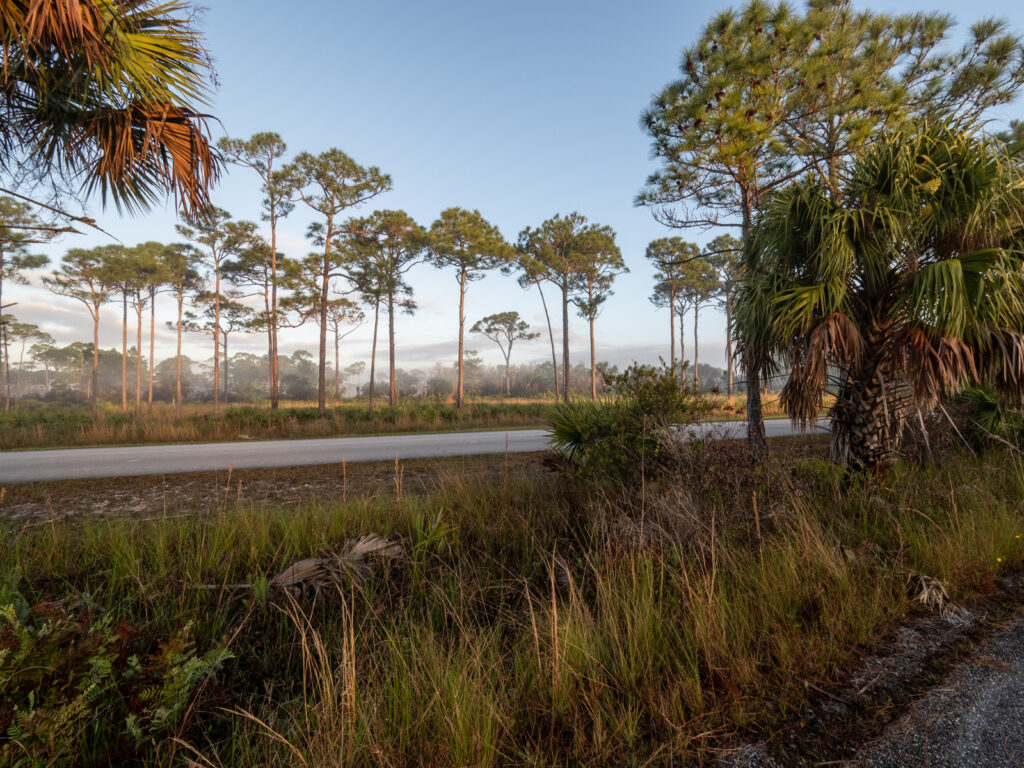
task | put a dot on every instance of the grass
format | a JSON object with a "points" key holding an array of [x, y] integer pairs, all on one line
{"points": [[525, 622], [37, 425]]}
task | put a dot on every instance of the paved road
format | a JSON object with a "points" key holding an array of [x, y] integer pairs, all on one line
{"points": [[975, 717], [77, 463]]}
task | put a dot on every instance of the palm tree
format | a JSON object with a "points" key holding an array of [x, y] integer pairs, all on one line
{"points": [[106, 95], [902, 290]]}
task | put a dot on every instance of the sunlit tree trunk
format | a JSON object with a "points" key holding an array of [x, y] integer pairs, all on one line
{"points": [[152, 346], [756, 441], [672, 326], [216, 341], [181, 301], [551, 335], [124, 352], [565, 338], [373, 350], [391, 349], [462, 327], [138, 353], [696, 348]]}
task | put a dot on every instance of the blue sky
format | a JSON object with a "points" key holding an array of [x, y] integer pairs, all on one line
{"points": [[521, 110]]}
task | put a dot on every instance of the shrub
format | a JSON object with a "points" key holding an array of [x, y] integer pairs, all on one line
{"points": [[620, 438]]}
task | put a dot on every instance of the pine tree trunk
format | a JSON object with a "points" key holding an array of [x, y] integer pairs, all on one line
{"points": [[21, 369], [325, 278], [95, 381], [391, 349], [216, 344], [177, 357], [138, 356], [672, 327], [728, 343], [696, 349], [462, 325], [373, 350], [274, 400], [682, 345], [756, 441], [551, 336], [337, 370], [124, 352], [152, 347], [593, 362], [565, 338], [227, 400]]}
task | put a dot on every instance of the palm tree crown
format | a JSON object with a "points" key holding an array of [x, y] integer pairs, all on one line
{"points": [[899, 291]]}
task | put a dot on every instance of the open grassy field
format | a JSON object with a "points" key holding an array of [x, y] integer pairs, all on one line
{"points": [[492, 613], [39, 425]]}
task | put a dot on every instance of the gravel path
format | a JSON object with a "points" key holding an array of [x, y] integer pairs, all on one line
{"points": [[974, 719]]}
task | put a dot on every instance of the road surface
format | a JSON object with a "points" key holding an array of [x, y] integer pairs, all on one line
{"points": [[124, 461]]}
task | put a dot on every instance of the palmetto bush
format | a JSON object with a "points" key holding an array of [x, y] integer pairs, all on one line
{"points": [[902, 290], [620, 438]]}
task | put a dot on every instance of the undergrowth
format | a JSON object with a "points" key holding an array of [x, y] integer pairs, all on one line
{"points": [[524, 620]]}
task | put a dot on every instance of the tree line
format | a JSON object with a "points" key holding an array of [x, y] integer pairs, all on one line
{"points": [[357, 274]]}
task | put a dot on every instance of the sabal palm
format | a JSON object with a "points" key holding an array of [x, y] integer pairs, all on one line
{"points": [[105, 93], [902, 291]]}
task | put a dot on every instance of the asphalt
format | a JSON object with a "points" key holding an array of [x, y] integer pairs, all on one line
{"points": [[127, 461], [974, 718]]}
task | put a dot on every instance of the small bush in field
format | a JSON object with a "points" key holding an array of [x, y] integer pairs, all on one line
{"points": [[618, 439]]}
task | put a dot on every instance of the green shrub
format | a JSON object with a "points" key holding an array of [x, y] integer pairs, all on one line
{"points": [[620, 438], [990, 417]]}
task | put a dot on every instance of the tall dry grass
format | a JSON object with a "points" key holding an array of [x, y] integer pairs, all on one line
{"points": [[525, 621]]}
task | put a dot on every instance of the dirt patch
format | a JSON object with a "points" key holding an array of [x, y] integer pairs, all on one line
{"points": [[166, 495]]}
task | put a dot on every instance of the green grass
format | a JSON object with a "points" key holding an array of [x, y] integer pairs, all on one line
{"points": [[525, 621], [62, 426]]}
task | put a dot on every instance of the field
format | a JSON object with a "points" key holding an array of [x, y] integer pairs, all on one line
{"points": [[40, 425], [480, 612]]}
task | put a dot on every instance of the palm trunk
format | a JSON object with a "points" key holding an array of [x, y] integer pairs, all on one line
{"points": [[867, 421], [462, 325], [565, 338], [551, 335], [391, 349], [373, 350], [152, 347]]}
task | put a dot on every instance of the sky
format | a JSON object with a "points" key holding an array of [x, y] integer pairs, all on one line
{"points": [[521, 110]]}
